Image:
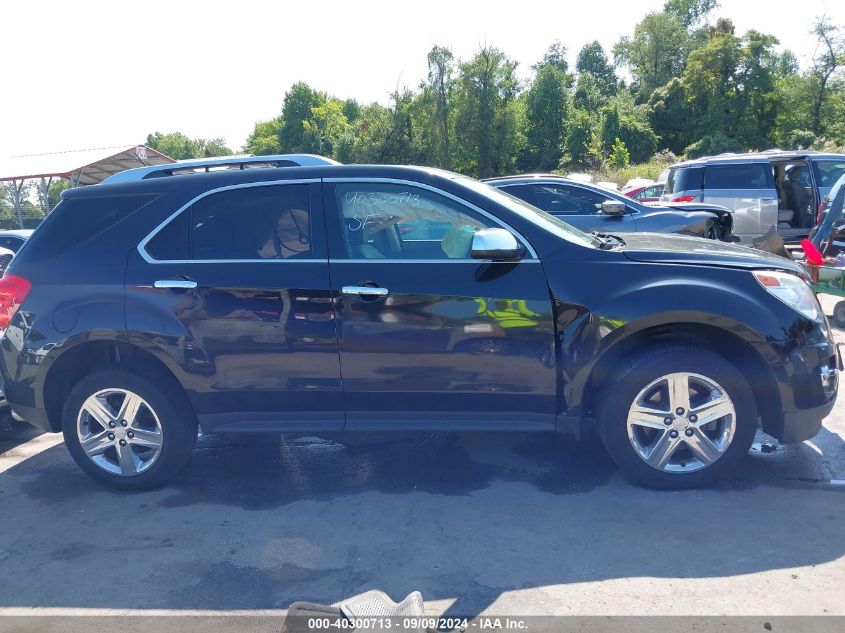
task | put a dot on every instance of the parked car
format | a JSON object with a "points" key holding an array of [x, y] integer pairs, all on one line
{"points": [[764, 189], [5, 259], [13, 239], [646, 193], [287, 300], [6, 256], [591, 208]]}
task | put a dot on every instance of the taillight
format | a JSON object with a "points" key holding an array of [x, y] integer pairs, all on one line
{"points": [[13, 291], [683, 199]]}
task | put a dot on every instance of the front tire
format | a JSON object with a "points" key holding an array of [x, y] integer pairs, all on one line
{"points": [[128, 428], [677, 416]]}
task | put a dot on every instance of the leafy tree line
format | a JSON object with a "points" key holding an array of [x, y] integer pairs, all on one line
{"points": [[692, 85]]}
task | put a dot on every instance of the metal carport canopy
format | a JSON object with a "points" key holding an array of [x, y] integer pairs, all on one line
{"points": [[81, 167]]}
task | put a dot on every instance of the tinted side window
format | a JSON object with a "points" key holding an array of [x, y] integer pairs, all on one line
{"points": [[523, 192], [557, 199], [738, 176], [685, 179], [828, 171], [171, 243], [77, 220], [272, 222]]}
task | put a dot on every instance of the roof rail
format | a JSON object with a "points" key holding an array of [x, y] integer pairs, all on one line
{"points": [[205, 165]]}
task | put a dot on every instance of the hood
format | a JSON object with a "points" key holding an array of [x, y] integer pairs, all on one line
{"points": [[680, 249]]}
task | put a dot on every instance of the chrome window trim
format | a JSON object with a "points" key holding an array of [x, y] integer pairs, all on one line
{"points": [[446, 194], [142, 245]]}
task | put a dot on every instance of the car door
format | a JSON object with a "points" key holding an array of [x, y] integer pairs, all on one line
{"points": [[243, 274], [428, 336], [579, 206], [747, 188]]}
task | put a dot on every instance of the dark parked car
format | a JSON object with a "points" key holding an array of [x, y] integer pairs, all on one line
{"points": [[292, 300], [591, 208]]}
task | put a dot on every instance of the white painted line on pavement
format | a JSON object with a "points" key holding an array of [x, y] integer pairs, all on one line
{"points": [[33, 447], [84, 612], [435, 607]]}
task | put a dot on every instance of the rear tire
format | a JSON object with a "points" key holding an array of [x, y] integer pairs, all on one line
{"points": [[839, 314], [138, 430], [662, 438]]}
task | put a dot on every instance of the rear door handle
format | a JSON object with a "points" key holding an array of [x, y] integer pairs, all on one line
{"points": [[365, 291], [179, 284]]}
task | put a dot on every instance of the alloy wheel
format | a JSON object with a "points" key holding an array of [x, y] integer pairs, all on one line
{"points": [[681, 422], [119, 431]]}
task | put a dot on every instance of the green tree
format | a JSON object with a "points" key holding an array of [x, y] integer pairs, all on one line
{"points": [[588, 93], [297, 108], [730, 87], [352, 110], [656, 53], [325, 127], [828, 60], [264, 138], [436, 103], [579, 133], [372, 129], [619, 156], [690, 12], [592, 59], [487, 113], [668, 114], [547, 105], [625, 121], [177, 145]]}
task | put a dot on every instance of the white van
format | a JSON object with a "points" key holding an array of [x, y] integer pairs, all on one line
{"points": [[764, 189]]}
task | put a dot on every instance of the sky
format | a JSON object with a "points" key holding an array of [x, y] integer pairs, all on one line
{"points": [[88, 74]]}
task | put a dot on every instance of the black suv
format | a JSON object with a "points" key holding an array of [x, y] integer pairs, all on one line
{"points": [[338, 297]]}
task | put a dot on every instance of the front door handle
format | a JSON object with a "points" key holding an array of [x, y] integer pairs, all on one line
{"points": [[365, 291], [178, 284]]}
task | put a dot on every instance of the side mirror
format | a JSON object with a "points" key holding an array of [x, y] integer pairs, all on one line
{"points": [[612, 207], [498, 244]]}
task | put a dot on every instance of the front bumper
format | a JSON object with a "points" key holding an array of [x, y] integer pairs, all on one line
{"points": [[809, 381], [803, 424]]}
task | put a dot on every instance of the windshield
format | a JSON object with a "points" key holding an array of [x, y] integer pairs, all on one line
{"points": [[532, 214]]}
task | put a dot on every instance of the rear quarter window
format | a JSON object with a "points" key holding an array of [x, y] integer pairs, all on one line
{"points": [[739, 176], [685, 179], [77, 220]]}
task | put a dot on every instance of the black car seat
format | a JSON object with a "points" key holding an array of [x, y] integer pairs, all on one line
{"points": [[796, 195]]}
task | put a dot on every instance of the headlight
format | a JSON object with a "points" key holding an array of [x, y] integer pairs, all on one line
{"points": [[792, 290]]}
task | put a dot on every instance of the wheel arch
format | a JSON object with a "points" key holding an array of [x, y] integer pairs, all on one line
{"points": [[76, 362], [724, 342]]}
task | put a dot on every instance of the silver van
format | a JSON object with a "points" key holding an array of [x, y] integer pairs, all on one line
{"points": [[764, 189]]}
